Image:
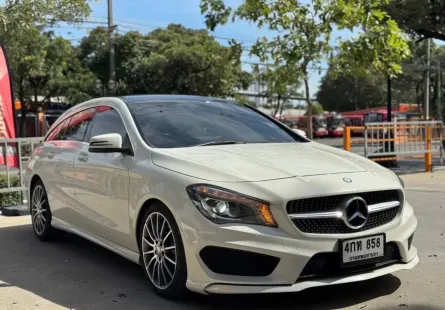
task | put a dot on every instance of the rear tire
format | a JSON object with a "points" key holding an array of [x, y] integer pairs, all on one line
{"points": [[41, 216], [162, 252]]}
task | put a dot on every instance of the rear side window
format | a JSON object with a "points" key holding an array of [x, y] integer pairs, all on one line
{"points": [[59, 132], [78, 125], [108, 120]]}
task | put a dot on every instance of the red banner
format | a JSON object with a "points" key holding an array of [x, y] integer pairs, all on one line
{"points": [[7, 116]]}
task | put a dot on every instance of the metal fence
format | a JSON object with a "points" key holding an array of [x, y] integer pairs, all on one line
{"points": [[17, 152], [394, 140]]}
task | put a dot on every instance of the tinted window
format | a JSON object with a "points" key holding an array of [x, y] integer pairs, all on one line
{"points": [[59, 132], [78, 126], [183, 123], [108, 120]]}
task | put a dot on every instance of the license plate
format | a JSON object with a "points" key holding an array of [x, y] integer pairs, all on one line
{"points": [[362, 250]]}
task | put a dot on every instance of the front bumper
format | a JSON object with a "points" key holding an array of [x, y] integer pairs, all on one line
{"points": [[293, 253], [320, 134], [258, 289], [336, 133]]}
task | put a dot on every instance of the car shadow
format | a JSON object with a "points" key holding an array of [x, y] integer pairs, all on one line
{"points": [[77, 274]]}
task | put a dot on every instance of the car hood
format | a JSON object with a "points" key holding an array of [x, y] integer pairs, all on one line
{"points": [[260, 162]]}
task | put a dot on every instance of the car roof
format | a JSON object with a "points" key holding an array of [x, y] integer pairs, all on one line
{"points": [[154, 98]]}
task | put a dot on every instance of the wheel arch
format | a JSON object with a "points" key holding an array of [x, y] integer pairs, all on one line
{"points": [[144, 208], [32, 182]]}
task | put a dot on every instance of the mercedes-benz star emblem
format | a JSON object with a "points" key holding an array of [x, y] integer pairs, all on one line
{"points": [[347, 180], [356, 213]]}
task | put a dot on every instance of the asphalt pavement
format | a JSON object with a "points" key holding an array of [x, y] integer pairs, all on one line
{"points": [[76, 274]]}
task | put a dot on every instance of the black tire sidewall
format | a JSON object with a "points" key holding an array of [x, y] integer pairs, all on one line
{"points": [[177, 288]]}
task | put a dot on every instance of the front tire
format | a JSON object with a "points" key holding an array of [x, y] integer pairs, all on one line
{"points": [[162, 252], [41, 214]]}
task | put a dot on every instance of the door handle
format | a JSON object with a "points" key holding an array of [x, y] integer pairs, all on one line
{"points": [[83, 157]]}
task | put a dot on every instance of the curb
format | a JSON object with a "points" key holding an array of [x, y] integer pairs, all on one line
{"points": [[19, 210]]}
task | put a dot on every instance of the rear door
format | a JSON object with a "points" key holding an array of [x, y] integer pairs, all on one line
{"points": [[57, 170], [103, 195]]}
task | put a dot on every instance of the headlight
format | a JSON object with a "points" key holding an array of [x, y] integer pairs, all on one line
{"points": [[224, 206]]}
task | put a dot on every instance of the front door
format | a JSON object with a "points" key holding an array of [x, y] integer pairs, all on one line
{"points": [[103, 193]]}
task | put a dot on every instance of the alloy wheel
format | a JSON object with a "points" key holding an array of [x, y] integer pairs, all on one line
{"points": [[159, 250], [38, 209]]}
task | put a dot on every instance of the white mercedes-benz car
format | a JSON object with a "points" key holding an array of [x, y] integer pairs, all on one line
{"points": [[216, 197]]}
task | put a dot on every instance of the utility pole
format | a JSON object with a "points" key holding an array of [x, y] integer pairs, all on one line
{"points": [[112, 64], [439, 92], [426, 104]]}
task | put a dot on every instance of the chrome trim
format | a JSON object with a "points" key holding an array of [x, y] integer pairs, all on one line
{"points": [[383, 206], [316, 215], [339, 214]]}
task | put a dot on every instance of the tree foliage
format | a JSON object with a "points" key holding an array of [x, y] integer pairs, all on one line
{"points": [[303, 31], [18, 15], [366, 87], [352, 90], [422, 19], [175, 60], [281, 83], [46, 65], [21, 24]]}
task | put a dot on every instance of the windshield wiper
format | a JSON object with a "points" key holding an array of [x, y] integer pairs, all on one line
{"points": [[221, 143]]}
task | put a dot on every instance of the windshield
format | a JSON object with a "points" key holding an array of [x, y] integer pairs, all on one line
{"points": [[171, 124], [373, 117], [321, 122]]}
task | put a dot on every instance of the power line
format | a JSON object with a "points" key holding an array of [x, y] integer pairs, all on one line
{"points": [[122, 22]]}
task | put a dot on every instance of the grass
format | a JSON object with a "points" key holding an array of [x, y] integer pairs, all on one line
{"points": [[10, 199]]}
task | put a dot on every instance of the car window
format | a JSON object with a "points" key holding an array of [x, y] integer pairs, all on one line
{"points": [[59, 132], [53, 134], [190, 123], [108, 120], [78, 125]]}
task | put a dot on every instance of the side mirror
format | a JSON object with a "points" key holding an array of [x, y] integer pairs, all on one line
{"points": [[108, 143], [300, 132]]}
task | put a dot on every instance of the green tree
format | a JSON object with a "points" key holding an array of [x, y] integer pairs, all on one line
{"points": [[366, 88], [422, 19], [280, 83], [303, 32], [352, 90], [175, 60], [243, 100], [21, 22], [17, 15], [76, 82], [317, 109]]}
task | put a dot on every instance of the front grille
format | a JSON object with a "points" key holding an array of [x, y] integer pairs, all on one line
{"points": [[332, 203], [329, 203], [329, 264], [337, 226]]}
